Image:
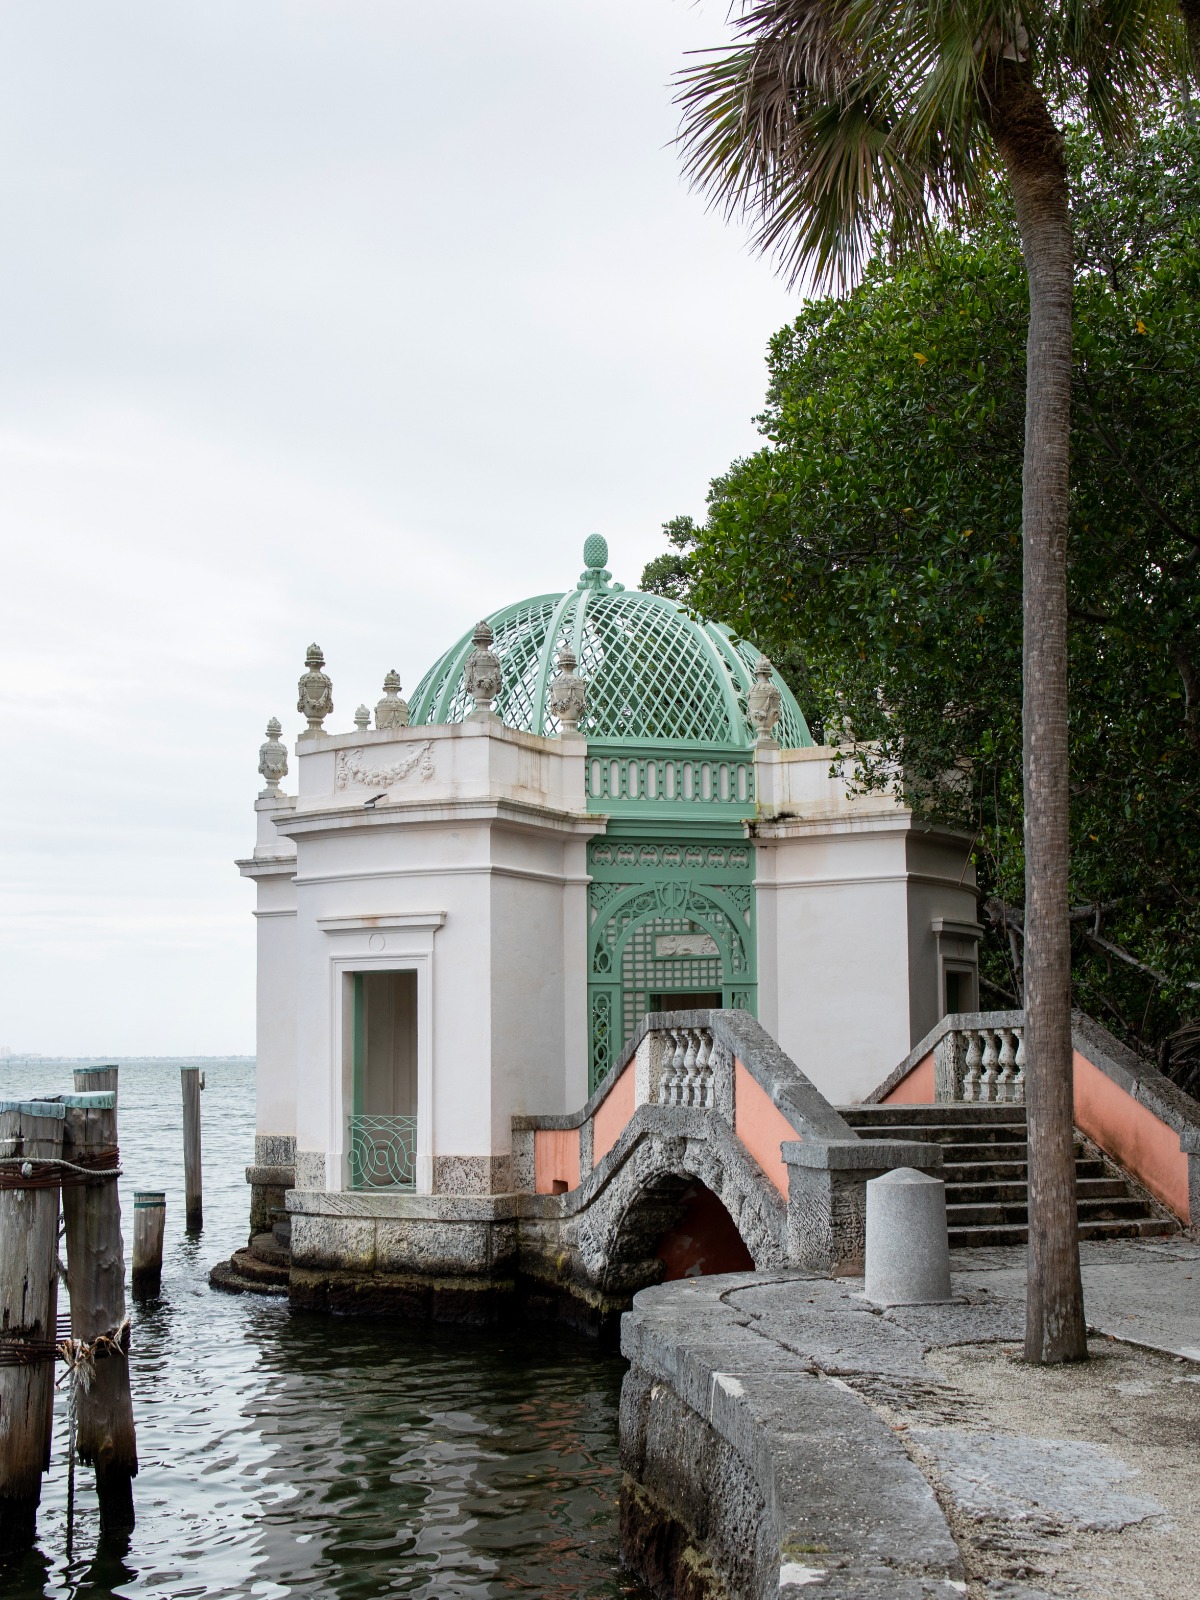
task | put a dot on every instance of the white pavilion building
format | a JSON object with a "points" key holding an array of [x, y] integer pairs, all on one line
{"points": [[595, 807]]}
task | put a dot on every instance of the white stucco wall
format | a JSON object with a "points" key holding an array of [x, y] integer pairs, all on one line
{"points": [[470, 871], [847, 888], [272, 868]]}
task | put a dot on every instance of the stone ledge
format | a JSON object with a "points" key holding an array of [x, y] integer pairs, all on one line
{"points": [[812, 1489], [404, 1206], [852, 1155], [272, 1177]]}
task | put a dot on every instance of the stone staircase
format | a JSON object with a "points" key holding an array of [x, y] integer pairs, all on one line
{"points": [[262, 1267], [984, 1150]]}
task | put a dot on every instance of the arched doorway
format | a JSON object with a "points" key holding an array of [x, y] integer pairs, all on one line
{"points": [[671, 927]]}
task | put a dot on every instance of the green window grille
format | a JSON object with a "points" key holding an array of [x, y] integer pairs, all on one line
{"points": [[383, 1152]]}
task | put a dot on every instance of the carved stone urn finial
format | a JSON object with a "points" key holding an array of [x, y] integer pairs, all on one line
{"points": [[764, 702], [391, 711], [482, 678], [568, 695], [362, 719], [316, 693], [272, 759]]}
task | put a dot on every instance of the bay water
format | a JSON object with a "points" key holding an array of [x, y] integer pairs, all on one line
{"points": [[285, 1454]]}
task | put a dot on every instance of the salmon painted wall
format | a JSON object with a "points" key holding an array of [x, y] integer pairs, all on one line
{"points": [[555, 1160], [917, 1088], [1132, 1135], [761, 1126], [613, 1112], [1122, 1126]]}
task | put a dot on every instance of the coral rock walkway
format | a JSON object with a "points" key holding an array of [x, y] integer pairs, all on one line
{"points": [[1060, 1483]]}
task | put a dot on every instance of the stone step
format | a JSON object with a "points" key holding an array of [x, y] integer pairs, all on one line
{"points": [[1123, 1208], [246, 1273], [1016, 1191], [973, 1133], [932, 1116], [968, 1238], [1086, 1167], [268, 1249], [961, 1154]]}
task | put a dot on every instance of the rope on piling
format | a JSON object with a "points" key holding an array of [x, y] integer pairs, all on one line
{"points": [[79, 1356], [53, 1172]]}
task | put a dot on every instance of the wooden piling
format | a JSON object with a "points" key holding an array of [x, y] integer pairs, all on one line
{"points": [[30, 1131], [193, 1197], [105, 1437], [149, 1226]]}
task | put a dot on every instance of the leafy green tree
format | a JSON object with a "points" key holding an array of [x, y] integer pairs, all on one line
{"points": [[832, 121], [872, 547]]}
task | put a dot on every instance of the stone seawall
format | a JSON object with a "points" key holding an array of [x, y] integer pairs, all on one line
{"points": [[751, 1469]]}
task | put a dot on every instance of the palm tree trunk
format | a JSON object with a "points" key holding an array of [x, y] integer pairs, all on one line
{"points": [[1031, 148]]}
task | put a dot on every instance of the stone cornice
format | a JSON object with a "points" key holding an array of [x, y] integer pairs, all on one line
{"points": [[267, 866], [520, 814]]}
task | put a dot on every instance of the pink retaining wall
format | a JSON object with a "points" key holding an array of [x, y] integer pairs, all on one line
{"points": [[1132, 1135], [555, 1160], [917, 1088], [761, 1126], [613, 1112], [1123, 1127]]}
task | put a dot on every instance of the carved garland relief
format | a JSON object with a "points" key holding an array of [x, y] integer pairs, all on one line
{"points": [[354, 768]]}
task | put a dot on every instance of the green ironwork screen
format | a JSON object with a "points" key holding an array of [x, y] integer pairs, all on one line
{"points": [[383, 1152], [665, 916]]}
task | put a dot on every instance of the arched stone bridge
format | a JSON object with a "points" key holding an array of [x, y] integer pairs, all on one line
{"points": [[704, 1149]]}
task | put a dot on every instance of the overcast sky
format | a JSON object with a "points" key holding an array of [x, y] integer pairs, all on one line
{"points": [[343, 321]]}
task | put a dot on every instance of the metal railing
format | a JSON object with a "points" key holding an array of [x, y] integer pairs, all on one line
{"points": [[383, 1152]]}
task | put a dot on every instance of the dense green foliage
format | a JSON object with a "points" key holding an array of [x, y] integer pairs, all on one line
{"points": [[874, 545]]}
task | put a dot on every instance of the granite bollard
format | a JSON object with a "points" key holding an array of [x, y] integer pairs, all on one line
{"points": [[908, 1248]]}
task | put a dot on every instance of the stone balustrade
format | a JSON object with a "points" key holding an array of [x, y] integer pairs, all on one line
{"points": [[687, 1072], [992, 1065]]}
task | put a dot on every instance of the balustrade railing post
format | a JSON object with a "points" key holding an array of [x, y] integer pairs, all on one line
{"points": [[987, 1078], [1008, 1056], [690, 1081], [704, 1066], [970, 1091]]}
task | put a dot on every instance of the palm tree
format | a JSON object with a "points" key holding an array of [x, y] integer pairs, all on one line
{"points": [[845, 125]]}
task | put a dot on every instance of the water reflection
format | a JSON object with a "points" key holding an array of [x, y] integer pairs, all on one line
{"points": [[337, 1459]]}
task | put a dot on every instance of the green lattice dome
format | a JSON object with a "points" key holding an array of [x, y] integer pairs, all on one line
{"points": [[652, 671]]}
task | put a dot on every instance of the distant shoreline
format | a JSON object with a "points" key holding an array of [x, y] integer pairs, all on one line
{"points": [[122, 1061]]}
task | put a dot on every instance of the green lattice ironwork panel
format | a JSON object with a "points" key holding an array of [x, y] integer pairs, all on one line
{"points": [[382, 1152], [653, 672], [521, 634], [648, 780], [665, 916]]}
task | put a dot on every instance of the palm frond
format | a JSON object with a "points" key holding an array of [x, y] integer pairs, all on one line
{"points": [[834, 123]]}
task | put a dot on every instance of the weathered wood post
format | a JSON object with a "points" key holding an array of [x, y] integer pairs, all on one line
{"points": [[149, 1226], [193, 1196], [105, 1437], [31, 1132]]}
